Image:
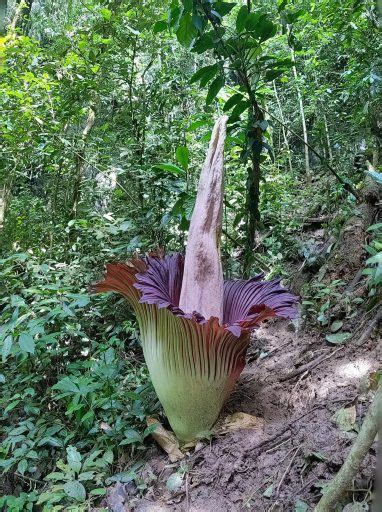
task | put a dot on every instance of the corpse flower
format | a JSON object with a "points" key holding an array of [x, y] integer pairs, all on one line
{"points": [[194, 326]]}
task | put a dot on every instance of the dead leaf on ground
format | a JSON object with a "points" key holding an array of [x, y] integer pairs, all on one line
{"points": [[105, 426], [345, 418], [237, 421], [166, 440]]}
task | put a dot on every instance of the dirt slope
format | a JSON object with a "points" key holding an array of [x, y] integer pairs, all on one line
{"points": [[300, 446]]}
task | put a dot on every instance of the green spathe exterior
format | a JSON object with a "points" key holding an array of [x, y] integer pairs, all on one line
{"points": [[190, 372]]}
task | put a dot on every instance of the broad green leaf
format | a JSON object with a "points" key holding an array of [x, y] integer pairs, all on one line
{"points": [[271, 74], [214, 89], [174, 482], [375, 259], [75, 490], [100, 491], [56, 476], [206, 72], [336, 326], [238, 110], [66, 385], [50, 441], [131, 436], [6, 348], [375, 227], [232, 101], [345, 418], [106, 13], [337, 339], [224, 8], [174, 169], [268, 491], [182, 156], [265, 29], [22, 466], [241, 18], [197, 21], [108, 456], [203, 43], [252, 21], [194, 126], [301, 506], [160, 26], [187, 31], [26, 343], [74, 458], [187, 5], [86, 476]]}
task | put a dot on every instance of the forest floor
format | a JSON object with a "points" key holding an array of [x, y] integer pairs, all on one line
{"points": [[281, 466]]}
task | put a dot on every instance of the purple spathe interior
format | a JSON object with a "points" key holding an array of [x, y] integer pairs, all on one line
{"points": [[243, 300]]}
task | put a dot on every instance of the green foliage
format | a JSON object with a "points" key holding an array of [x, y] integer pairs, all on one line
{"points": [[155, 74], [62, 388], [374, 263]]}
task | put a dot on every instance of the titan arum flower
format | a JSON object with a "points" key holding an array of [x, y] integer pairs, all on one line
{"points": [[194, 326]]}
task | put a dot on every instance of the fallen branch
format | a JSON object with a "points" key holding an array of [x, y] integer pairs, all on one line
{"points": [[287, 470], [370, 328], [337, 488], [309, 366]]}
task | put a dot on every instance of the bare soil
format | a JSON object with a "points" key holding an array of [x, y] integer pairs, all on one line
{"points": [[300, 447]]}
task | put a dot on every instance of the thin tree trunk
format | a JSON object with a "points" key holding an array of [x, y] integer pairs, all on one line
{"points": [[21, 15], [286, 143], [337, 488], [303, 122], [80, 163], [2, 207], [255, 140], [328, 144], [5, 194]]}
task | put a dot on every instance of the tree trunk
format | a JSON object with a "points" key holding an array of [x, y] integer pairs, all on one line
{"points": [[337, 488], [3, 15], [328, 144], [2, 207], [255, 141], [21, 16], [80, 163], [5, 193], [286, 143], [303, 122]]}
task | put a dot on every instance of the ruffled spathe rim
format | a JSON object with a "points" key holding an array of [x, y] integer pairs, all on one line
{"points": [[245, 302]]}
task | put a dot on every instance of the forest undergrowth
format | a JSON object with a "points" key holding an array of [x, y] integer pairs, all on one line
{"points": [[106, 109]]}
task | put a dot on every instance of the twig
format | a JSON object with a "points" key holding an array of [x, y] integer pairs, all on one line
{"points": [[187, 495], [305, 374], [306, 485], [287, 470], [309, 366], [278, 445], [274, 350], [24, 477], [336, 489], [283, 430]]}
